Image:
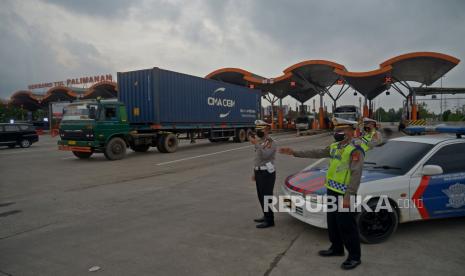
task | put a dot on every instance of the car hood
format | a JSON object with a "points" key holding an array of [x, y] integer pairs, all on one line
{"points": [[313, 181]]}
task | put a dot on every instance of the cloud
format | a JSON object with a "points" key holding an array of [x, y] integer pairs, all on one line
{"points": [[102, 8], [49, 40]]}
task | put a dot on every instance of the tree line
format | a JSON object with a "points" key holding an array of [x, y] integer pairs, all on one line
{"points": [[393, 115]]}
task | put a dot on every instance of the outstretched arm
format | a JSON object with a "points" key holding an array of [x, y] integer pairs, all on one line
{"points": [[313, 153]]}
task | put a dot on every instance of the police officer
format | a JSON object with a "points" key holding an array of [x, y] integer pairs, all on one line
{"points": [[371, 137], [264, 172], [342, 182]]}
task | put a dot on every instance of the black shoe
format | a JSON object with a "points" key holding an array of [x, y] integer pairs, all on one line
{"points": [[350, 264], [330, 253], [262, 219], [265, 224]]}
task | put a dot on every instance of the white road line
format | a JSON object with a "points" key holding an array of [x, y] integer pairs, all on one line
{"points": [[314, 164], [300, 137], [202, 155], [223, 151], [66, 158]]}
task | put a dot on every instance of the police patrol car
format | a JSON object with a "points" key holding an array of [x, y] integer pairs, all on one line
{"points": [[423, 178]]}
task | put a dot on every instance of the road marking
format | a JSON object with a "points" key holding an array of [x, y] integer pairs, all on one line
{"points": [[300, 137], [66, 158], [311, 166], [202, 155], [223, 151]]}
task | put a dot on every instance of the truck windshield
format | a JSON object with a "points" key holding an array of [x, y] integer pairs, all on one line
{"points": [[346, 116], [78, 112]]}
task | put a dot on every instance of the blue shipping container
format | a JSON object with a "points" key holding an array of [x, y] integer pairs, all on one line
{"points": [[157, 96]]}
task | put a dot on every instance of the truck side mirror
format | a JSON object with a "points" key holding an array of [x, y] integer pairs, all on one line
{"points": [[92, 113], [431, 170]]}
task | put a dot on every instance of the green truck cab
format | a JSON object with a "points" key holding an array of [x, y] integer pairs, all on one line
{"points": [[102, 126]]}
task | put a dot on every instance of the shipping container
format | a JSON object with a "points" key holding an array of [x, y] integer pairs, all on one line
{"points": [[162, 97]]}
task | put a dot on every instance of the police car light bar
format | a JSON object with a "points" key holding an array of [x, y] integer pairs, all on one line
{"points": [[457, 130]]}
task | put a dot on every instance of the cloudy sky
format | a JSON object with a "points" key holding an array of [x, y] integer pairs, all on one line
{"points": [[52, 40]]}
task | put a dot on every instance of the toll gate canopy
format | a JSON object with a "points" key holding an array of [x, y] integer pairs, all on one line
{"points": [[309, 78]]}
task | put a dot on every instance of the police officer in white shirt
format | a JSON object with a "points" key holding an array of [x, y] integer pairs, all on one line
{"points": [[264, 172]]}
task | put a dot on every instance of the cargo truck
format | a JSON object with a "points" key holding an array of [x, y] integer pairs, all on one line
{"points": [[156, 108], [347, 112]]}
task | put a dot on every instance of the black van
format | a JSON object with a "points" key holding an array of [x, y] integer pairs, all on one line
{"points": [[17, 134]]}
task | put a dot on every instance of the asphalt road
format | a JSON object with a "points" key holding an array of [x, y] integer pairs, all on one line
{"points": [[190, 212]]}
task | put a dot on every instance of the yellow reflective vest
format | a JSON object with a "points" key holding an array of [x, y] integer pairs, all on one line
{"points": [[366, 139], [338, 174]]}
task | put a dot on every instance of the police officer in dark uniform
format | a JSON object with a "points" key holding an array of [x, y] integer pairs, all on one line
{"points": [[342, 181], [264, 172]]}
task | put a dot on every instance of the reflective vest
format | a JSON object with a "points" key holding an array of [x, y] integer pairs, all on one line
{"points": [[366, 139], [338, 174]]}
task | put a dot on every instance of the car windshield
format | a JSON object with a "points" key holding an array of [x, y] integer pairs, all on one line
{"points": [[77, 112], [396, 157]]}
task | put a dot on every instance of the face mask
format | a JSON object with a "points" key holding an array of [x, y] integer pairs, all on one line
{"points": [[339, 136], [260, 134]]}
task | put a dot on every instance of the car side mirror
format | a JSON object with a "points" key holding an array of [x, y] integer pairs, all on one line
{"points": [[431, 170], [92, 113]]}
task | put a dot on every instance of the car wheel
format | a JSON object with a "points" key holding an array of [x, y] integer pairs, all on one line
{"points": [[25, 143], [377, 227], [82, 155], [115, 149]]}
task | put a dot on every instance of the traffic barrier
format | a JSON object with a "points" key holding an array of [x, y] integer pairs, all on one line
{"points": [[420, 122]]}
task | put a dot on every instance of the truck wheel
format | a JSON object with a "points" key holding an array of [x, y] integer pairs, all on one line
{"points": [[241, 136], [248, 132], [377, 227], [168, 143], [140, 148], [115, 149], [25, 143], [160, 144], [82, 155]]}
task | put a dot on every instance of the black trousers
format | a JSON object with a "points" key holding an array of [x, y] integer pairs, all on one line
{"points": [[265, 185], [343, 231]]}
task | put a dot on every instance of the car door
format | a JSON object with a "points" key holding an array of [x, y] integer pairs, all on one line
{"points": [[3, 137], [443, 195], [28, 132], [12, 133]]}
